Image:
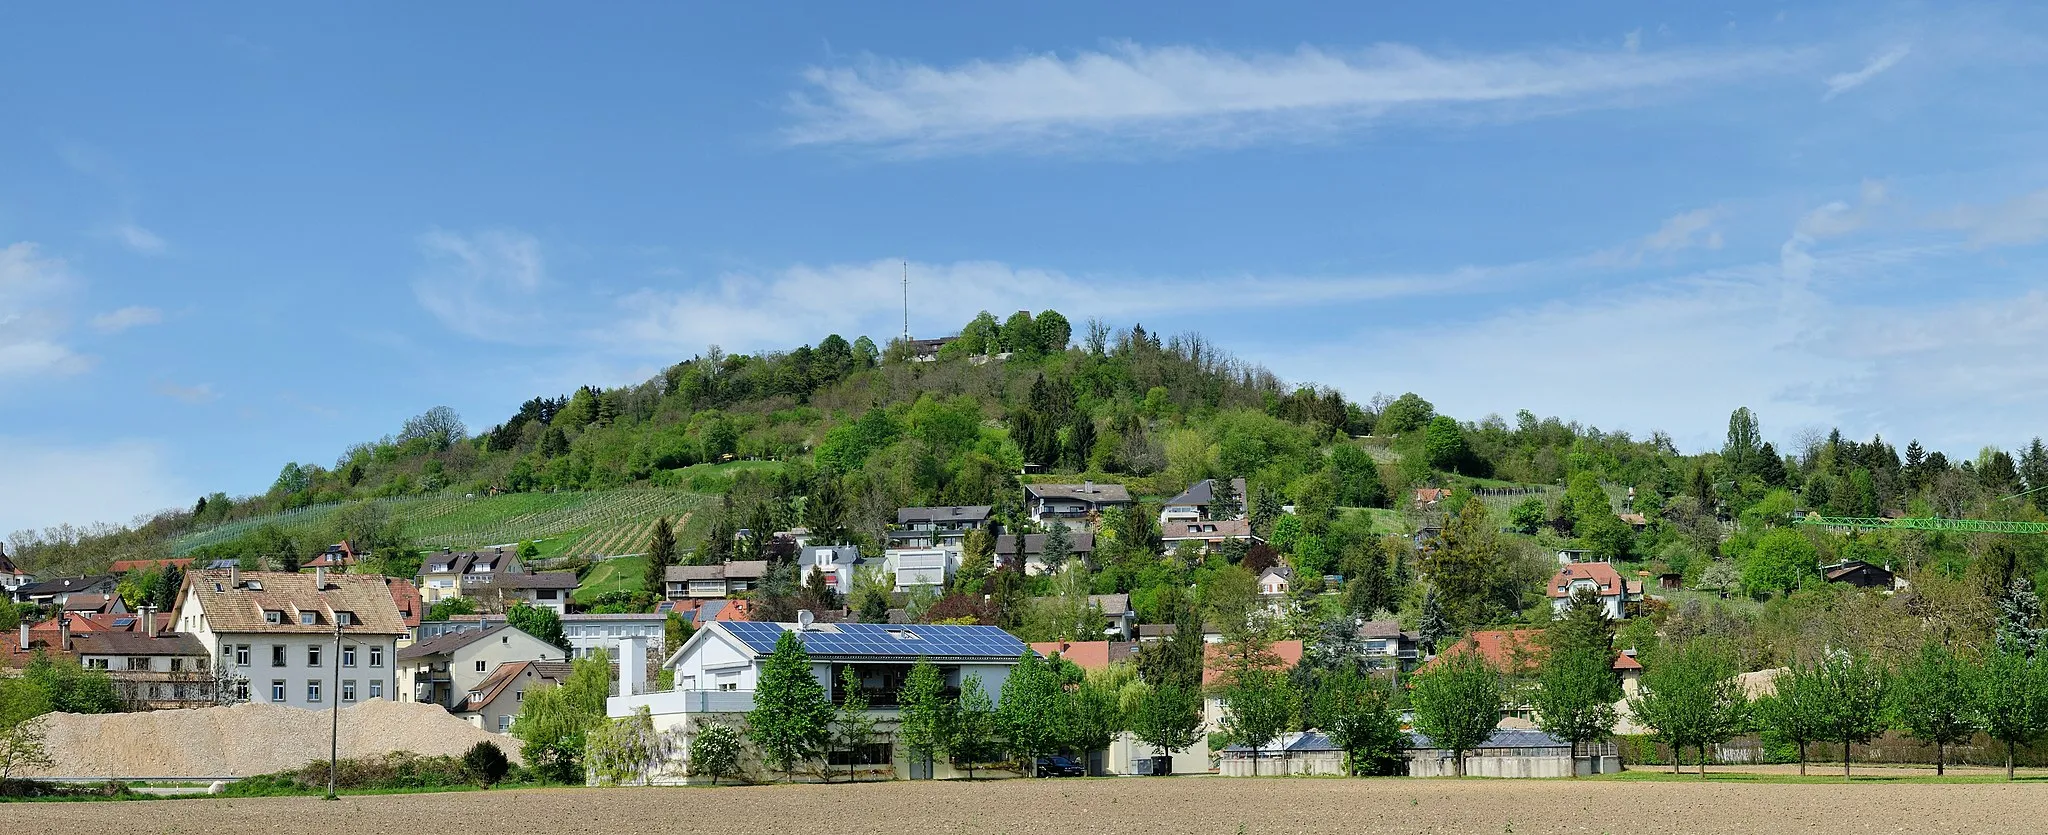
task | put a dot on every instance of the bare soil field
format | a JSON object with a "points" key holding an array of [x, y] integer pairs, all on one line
{"points": [[1152, 806]]}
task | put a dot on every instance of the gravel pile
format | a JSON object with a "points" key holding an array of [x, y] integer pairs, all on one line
{"points": [[248, 739]]}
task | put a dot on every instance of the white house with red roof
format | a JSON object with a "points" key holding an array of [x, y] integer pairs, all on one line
{"points": [[1599, 577]]}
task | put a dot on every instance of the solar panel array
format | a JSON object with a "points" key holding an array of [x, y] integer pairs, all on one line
{"points": [[875, 639]]}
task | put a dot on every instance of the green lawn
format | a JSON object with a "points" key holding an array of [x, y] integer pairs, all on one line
{"points": [[1384, 521], [626, 574]]}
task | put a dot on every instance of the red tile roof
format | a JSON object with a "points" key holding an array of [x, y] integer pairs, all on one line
{"points": [[407, 596], [734, 610], [1625, 661], [1088, 655], [1602, 573], [1511, 650]]}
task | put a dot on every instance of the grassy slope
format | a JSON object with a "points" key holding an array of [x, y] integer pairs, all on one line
{"points": [[563, 521], [623, 574]]}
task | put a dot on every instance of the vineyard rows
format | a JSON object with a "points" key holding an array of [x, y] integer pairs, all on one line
{"points": [[622, 516]]}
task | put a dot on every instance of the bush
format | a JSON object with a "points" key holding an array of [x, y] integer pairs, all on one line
{"points": [[395, 771], [485, 764]]}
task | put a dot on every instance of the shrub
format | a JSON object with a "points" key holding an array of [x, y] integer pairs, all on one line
{"points": [[485, 763]]}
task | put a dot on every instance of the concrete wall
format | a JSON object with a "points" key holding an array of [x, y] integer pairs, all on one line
{"points": [[1433, 763], [1126, 753]]}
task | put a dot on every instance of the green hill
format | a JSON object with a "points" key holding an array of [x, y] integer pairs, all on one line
{"points": [[563, 524]]}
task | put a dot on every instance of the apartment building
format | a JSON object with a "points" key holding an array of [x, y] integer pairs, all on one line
{"points": [[301, 640]]}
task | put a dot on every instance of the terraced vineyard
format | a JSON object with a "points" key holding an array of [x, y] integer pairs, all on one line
{"points": [[599, 523]]}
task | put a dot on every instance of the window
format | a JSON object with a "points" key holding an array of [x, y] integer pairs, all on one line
{"points": [[277, 689], [545, 594], [519, 695], [96, 663], [156, 691], [504, 722], [313, 656], [273, 616], [241, 655], [313, 691], [344, 618], [348, 690], [376, 656], [480, 666], [178, 664], [308, 618], [348, 656], [277, 655], [138, 663], [879, 753], [376, 689]]}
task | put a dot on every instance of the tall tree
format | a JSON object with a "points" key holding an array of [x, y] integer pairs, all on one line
{"points": [[792, 717], [1931, 700], [1432, 627], [1058, 546], [1795, 713], [661, 553], [1457, 702], [2019, 618], [1029, 714], [1259, 704], [853, 728], [1462, 566], [974, 737], [540, 623], [2009, 699], [1358, 713], [1854, 700], [926, 712], [1743, 449], [1575, 696], [1224, 502], [1168, 717], [1444, 446], [1689, 698], [1054, 332]]}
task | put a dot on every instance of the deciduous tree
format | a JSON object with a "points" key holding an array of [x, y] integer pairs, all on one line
{"points": [[1689, 698], [1457, 702], [1931, 700], [791, 718]]}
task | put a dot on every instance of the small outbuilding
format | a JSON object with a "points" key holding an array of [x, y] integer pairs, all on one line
{"points": [[1307, 753], [1511, 753]]}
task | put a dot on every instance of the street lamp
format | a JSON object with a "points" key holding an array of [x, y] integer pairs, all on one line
{"points": [[334, 714]]}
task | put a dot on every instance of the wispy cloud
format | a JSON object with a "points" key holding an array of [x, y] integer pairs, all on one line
{"points": [[202, 393], [116, 321], [1840, 83], [31, 324], [2016, 222], [481, 284], [1195, 96], [139, 239], [1696, 229]]}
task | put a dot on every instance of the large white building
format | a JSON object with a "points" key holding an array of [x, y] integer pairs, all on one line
{"points": [[276, 632], [718, 668]]}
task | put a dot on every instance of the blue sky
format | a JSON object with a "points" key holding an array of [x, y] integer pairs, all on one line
{"points": [[236, 235]]}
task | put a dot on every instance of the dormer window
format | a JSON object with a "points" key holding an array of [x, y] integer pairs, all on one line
{"points": [[309, 618], [273, 616], [344, 618], [253, 585]]}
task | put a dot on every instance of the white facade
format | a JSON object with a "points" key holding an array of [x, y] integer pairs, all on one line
{"points": [[590, 633], [297, 670], [447, 677], [923, 567], [837, 562]]}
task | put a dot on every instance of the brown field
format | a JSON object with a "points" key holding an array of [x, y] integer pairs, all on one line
{"points": [[1159, 806]]}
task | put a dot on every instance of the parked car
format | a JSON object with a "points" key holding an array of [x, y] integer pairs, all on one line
{"points": [[1061, 767]]}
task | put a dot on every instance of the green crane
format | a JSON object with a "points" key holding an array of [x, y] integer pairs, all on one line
{"points": [[1923, 523]]}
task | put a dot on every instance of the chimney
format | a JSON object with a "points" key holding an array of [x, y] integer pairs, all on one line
{"points": [[64, 632], [234, 576], [24, 636], [149, 621], [1088, 486], [320, 579]]}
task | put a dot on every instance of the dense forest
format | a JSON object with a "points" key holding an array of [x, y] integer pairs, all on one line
{"points": [[848, 431]]}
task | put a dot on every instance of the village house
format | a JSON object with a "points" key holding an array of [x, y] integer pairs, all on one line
{"points": [[1431, 496], [334, 557], [838, 564], [917, 568], [445, 573], [937, 527], [1276, 580], [1389, 647], [543, 589], [1192, 505], [1072, 504], [717, 669], [495, 701], [1599, 577], [1209, 535], [12, 578], [1031, 549], [406, 597], [710, 581], [1860, 574], [151, 670], [446, 669], [56, 592], [302, 640]]}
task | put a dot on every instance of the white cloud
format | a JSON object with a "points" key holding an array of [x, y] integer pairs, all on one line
{"points": [[1840, 83], [46, 484], [139, 239], [1195, 96], [1633, 41], [202, 393], [1683, 231], [31, 326], [481, 285], [132, 316], [2016, 222]]}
